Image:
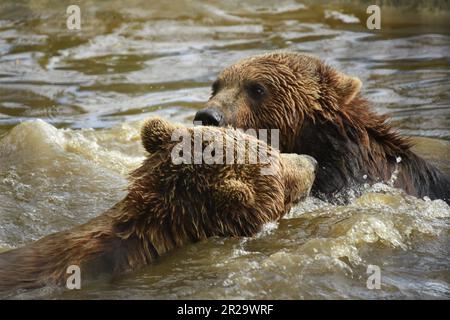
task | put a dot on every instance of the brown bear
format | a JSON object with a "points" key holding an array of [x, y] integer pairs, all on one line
{"points": [[319, 111], [168, 205]]}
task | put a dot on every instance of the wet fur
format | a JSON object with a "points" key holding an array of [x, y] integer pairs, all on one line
{"points": [[320, 112], [167, 206]]}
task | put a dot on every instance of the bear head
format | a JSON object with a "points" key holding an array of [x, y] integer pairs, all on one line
{"points": [[278, 91], [187, 189]]}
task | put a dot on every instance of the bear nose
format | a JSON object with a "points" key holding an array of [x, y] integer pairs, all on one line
{"points": [[209, 117]]}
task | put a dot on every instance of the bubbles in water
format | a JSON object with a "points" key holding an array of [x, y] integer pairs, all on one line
{"points": [[267, 229], [394, 174]]}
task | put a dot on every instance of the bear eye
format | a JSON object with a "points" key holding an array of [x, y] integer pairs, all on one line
{"points": [[256, 90], [215, 87]]}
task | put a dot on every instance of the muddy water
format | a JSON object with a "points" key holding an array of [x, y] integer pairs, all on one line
{"points": [[92, 88]]}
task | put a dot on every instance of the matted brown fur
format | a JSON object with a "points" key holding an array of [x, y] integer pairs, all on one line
{"points": [[167, 206], [320, 112]]}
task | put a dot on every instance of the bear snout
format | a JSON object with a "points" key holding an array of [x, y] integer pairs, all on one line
{"points": [[209, 117]]}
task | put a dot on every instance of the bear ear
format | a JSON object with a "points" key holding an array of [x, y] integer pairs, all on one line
{"points": [[233, 191], [155, 133], [347, 87]]}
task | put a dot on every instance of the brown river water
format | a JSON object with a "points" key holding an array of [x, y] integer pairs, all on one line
{"points": [[71, 103]]}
